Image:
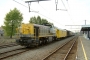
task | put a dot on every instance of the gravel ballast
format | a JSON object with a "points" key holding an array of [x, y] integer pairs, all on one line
{"points": [[38, 53]]}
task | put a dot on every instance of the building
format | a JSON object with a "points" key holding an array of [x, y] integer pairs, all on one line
{"points": [[1, 31], [85, 30]]}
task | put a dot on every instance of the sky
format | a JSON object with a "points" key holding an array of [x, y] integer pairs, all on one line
{"points": [[77, 12]]}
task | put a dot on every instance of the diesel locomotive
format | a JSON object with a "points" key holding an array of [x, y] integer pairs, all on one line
{"points": [[35, 34]]}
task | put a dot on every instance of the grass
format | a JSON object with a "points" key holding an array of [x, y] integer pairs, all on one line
{"points": [[6, 40]]}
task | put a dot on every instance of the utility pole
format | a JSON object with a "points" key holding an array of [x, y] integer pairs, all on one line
{"points": [[85, 22], [76, 25], [56, 2]]}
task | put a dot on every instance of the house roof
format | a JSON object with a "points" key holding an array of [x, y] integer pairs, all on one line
{"points": [[85, 28]]}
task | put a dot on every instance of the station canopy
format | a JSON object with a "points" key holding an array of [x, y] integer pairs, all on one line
{"points": [[85, 28]]}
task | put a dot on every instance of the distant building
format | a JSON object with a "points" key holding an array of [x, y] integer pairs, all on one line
{"points": [[85, 30], [1, 31]]}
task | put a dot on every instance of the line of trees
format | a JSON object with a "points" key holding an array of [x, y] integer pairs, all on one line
{"points": [[14, 18], [39, 20]]}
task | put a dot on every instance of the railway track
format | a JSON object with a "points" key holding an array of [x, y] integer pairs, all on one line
{"points": [[65, 52], [8, 45], [12, 53]]}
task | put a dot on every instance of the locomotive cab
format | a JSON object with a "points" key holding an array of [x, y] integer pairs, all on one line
{"points": [[28, 34]]}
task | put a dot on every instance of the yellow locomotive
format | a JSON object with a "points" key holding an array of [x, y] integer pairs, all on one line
{"points": [[34, 34]]}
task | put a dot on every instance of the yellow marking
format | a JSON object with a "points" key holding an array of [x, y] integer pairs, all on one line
{"points": [[83, 50]]}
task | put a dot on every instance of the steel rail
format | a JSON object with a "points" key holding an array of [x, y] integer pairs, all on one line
{"points": [[57, 49], [12, 54], [69, 50], [7, 45], [11, 50]]}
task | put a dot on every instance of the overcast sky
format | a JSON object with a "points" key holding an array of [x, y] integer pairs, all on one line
{"points": [[78, 12]]}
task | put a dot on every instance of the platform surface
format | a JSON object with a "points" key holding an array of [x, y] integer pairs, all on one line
{"points": [[83, 51]]}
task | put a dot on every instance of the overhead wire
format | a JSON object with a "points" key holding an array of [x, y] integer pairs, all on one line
{"points": [[68, 10], [64, 5], [50, 19], [24, 5], [87, 21], [38, 12], [20, 3], [43, 8], [22, 0], [68, 4], [46, 16]]}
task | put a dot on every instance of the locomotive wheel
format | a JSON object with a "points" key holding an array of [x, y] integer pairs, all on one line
{"points": [[47, 40], [27, 46], [40, 42], [37, 44]]}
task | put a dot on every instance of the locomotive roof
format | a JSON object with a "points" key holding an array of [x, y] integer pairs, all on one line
{"points": [[61, 29], [40, 25]]}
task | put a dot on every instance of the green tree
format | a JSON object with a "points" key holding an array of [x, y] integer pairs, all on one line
{"points": [[33, 20], [44, 21], [37, 20], [50, 23], [13, 19]]}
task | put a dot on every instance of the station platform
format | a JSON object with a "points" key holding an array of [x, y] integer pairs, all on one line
{"points": [[83, 51]]}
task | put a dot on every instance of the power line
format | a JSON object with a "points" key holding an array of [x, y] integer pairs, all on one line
{"points": [[25, 6], [73, 25], [68, 4], [29, 2], [49, 13], [64, 5], [56, 2], [20, 3], [43, 8], [88, 21], [68, 10], [22, 0], [50, 19], [36, 12]]}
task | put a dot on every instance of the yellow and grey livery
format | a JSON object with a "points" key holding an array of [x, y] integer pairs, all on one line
{"points": [[34, 34]]}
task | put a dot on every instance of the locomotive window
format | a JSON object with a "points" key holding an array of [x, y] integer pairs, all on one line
{"points": [[45, 31], [41, 31]]}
